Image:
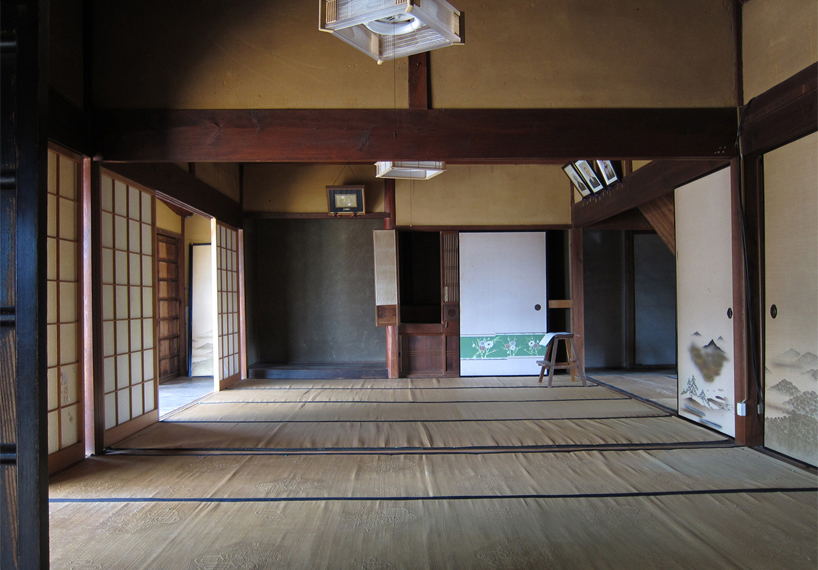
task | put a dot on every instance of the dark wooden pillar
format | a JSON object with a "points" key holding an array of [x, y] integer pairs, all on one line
{"points": [[23, 189], [577, 291], [747, 286], [392, 357], [420, 96]]}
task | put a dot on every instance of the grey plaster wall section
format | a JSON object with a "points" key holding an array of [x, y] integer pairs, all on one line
{"points": [[603, 254], [314, 292], [655, 292]]}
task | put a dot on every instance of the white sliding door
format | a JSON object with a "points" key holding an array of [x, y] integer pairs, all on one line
{"points": [[704, 289], [791, 293], [503, 303]]}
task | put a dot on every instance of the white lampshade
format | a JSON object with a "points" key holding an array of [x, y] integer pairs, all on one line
{"points": [[423, 170], [389, 29]]}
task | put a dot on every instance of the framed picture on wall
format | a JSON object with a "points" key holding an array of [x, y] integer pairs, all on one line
{"points": [[588, 175], [577, 180], [609, 174], [345, 200]]}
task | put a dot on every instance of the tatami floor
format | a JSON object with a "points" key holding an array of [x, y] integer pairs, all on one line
{"points": [[658, 386], [431, 473]]}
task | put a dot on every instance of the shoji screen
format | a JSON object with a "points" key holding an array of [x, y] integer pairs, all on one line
{"points": [[64, 316], [228, 361], [129, 359]]}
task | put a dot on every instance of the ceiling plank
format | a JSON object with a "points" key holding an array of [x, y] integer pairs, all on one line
{"points": [[646, 184], [327, 135]]}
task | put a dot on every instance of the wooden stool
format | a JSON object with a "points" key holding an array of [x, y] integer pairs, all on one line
{"points": [[574, 364]]}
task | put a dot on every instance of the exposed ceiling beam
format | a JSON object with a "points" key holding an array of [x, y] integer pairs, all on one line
{"points": [[661, 214], [517, 135], [648, 183]]}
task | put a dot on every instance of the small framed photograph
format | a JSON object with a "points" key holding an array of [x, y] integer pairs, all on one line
{"points": [[609, 174], [591, 179], [345, 200], [577, 180]]}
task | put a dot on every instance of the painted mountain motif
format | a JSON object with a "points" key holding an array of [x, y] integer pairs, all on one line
{"points": [[786, 387], [788, 358], [805, 403], [709, 359], [693, 392], [807, 360], [812, 373], [795, 434]]}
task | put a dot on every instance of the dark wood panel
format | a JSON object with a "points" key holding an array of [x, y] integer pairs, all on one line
{"points": [[648, 183], [631, 219], [67, 124], [169, 300], [175, 185], [186, 135], [423, 354], [311, 216], [577, 269]]}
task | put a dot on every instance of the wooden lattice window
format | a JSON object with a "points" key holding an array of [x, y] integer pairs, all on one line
{"points": [[127, 245], [64, 317]]}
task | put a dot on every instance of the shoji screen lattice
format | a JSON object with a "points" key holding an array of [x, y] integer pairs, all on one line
{"points": [[129, 361], [228, 365], [64, 316]]}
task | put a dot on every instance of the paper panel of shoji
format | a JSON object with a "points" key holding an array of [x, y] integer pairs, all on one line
{"points": [[227, 280], [129, 361], [64, 338]]}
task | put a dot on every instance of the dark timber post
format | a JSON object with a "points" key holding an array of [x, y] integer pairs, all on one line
{"points": [[23, 386]]}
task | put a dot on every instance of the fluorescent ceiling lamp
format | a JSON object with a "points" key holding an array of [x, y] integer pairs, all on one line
{"points": [[409, 170], [389, 29]]}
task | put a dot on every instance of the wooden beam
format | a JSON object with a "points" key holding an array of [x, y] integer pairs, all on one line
{"points": [[330, 135], [628, 220], [420, 96], [311, 216], [646, 184], [68, 125], [782, 114], [577, 270], [392, 340], [661, 214], [172, 184]]}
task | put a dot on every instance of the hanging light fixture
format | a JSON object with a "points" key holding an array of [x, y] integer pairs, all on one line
{"points": [[423, 170], [389, 29]]}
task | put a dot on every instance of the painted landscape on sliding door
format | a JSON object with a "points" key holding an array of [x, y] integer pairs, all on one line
{"points": [[791, 295]]}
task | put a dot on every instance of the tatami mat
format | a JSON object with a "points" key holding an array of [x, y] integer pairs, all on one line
{"points": [[418, 435], [397, 476], [432, 474], [742, 531]]}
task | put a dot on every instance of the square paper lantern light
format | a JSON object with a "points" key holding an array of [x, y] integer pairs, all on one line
{"points": [[389, 29], [421, 170]]}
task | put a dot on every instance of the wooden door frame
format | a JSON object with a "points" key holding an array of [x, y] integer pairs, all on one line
{"points": [[180, 279]]}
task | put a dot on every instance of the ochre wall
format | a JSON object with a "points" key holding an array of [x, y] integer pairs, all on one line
{"points": [[201, 54], [167, 219], [486, 195], [223, 176], [65, 49], [518, 53], [585, 53], [302, 188], [780, 38]]}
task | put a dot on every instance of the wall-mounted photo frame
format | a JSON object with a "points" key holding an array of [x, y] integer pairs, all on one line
{"points": [[577, 180], [345, 200], [608, 171], [587, 171]]}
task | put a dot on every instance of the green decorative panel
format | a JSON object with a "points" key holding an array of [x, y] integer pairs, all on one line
{"points": [[501, 346]]}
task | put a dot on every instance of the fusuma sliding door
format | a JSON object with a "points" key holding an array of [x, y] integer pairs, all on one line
{"points": [[704, 289], [503, 303], [791, 292]]}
